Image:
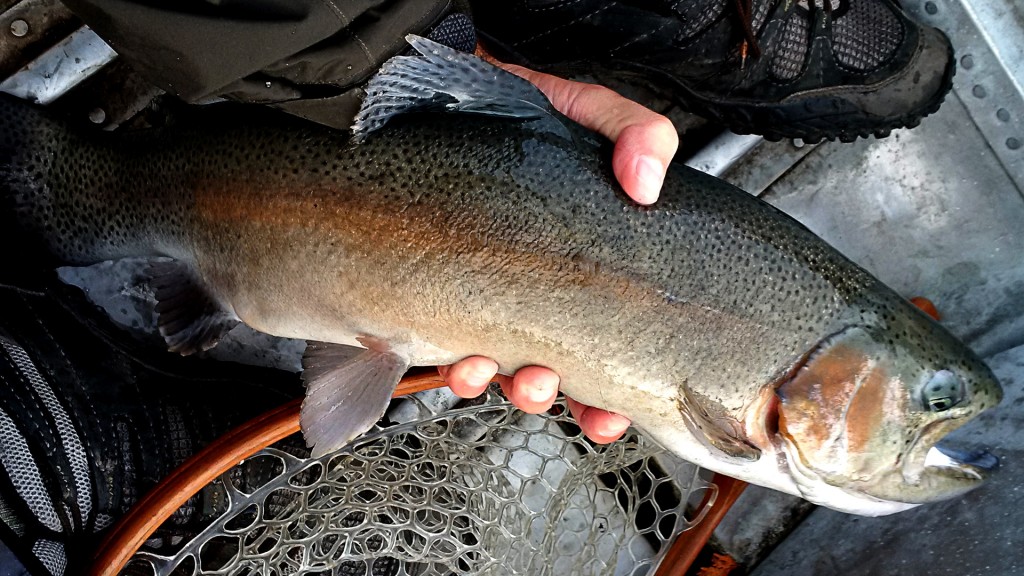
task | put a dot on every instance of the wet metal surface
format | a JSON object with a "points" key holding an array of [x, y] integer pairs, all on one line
{"points": [[989, 39], [765, 164], [109, 98], [29, 28], [924, 216], [50, 76], [724, 152], [932, 212]]}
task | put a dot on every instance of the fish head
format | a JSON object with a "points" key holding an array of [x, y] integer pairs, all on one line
{"points": [[859, 418]]}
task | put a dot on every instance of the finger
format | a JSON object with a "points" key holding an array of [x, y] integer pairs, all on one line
{"points": [[645, 141], [533, 389], [601, 426], [642, 154], [468, 378]]}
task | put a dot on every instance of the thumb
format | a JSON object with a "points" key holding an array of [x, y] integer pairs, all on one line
{"points": [[645, 141]]}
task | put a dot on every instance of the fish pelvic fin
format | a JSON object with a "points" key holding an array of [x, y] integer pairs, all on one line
{"points": [[441, 79], [347, 391], [189, 318]]}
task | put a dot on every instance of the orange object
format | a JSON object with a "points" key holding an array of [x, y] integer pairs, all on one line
{"points": [[689, 544], [926, 306], [721, 565], [202, 468]]}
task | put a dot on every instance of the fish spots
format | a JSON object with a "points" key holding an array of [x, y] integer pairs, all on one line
{"points": [[74, 191], [490, 236]]}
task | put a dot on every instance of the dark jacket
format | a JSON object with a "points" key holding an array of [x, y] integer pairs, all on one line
{"points": [[304, 56]]}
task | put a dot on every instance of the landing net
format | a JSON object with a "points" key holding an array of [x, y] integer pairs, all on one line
{"points": [[480, 489]]}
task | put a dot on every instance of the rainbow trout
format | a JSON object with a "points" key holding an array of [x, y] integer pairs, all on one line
{"points": [[468, 217]]}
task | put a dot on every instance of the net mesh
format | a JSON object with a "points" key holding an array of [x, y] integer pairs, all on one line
{"points": [[482, 489]]}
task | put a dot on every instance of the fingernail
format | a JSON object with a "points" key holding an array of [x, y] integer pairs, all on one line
{"points": [[538, 393], [651, 174], [479, 377], [615, 424]]}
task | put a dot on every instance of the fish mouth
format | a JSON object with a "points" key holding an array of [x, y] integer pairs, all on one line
{"points": [[976, 463], [933, 463]]}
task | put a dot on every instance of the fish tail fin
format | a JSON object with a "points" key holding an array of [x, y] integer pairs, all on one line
{"points": [[58, 191]]}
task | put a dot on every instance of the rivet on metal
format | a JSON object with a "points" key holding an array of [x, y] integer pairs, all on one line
{"points": [[1003, 114], [967, 62], [19, 28], [979, 91], [1012, 143], [931, 8], [97, 116]]}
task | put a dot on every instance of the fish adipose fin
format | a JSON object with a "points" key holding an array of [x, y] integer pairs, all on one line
{"points": [[720, 432], [189, 317], [347, 391], [446, 80]]}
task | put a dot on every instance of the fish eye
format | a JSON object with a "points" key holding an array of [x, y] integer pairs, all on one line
{"points": [[943, 391]]}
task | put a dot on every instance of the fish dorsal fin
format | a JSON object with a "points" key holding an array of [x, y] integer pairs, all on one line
{"points": [[189, 317], [347, 391], [720, 431], [443, 79]]}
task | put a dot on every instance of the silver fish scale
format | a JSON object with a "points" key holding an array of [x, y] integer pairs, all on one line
{"points": [[478, 490]]}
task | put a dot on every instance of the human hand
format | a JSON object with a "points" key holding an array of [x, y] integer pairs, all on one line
{"points": [[532, 389], [645, 142]]}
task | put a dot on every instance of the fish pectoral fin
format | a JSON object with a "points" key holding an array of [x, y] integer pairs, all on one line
{"points": [[347, 391], [441, 79], [719, 431], [189, 318]]}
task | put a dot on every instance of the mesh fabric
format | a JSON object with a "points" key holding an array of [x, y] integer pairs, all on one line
{"points": [[697, 15], [89, 421], [455, 31], [481, 489], [788, 59], [51, 555], [866, 35], [24, 475], [70, 442]]}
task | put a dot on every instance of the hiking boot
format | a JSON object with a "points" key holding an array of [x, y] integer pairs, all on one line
{"points": [[807, 69]]}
